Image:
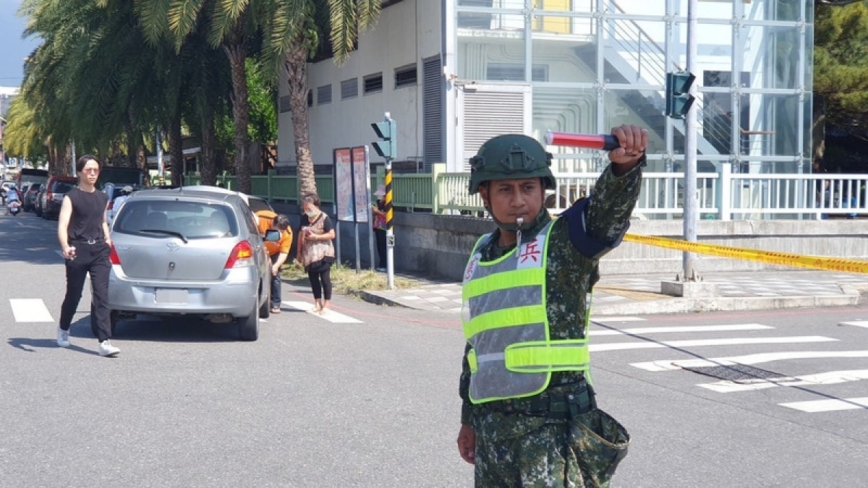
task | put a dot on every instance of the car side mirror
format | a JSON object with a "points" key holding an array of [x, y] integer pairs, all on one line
{"points": [[272, 235]]}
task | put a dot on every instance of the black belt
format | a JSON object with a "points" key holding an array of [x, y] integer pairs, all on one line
{"points": [[560, 405], [88, 241]]}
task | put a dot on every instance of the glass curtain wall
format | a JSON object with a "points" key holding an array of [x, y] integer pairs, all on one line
{"points": [[595, 64]]}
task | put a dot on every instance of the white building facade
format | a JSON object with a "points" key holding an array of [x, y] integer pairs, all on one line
{"points": [[453, 73]]}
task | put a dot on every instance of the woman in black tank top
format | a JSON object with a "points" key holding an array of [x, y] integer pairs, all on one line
{"points": [[84, 238]]}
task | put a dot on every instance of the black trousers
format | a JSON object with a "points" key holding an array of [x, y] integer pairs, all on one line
{"points": [[319, 274], [381, 245], [93, 259]]}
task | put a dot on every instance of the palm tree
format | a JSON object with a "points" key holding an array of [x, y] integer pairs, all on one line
{"points": [[232, 25], [294, 33]]}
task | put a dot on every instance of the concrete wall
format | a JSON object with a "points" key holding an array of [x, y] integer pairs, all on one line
{"points": [[437, 246]]}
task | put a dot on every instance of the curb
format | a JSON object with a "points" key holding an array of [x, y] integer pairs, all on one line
{"points": [[690, 305]]}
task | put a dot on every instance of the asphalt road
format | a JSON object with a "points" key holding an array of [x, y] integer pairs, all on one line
{"points": [[369, 398]]}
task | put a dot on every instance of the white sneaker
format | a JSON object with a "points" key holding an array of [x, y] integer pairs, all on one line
{"points": [[106, 349], [62, 337]]}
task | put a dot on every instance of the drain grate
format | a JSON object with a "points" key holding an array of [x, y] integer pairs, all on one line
{"points": [[735, 372]]}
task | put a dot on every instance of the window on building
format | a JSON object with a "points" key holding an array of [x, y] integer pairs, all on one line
{"points": [[405, 76], [310, 98], [515, 72], [349, 88], [284, 104], [324, 94], [374, 83]]}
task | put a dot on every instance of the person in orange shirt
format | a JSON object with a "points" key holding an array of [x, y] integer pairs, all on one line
{"points": [[278, 251]]}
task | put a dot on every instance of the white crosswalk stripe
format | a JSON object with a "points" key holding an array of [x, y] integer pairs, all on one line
{"points": [[830, 405], [30, 310], [330, 315], [828, 378], [690, 328], [766, 357], [858, 323], [617, 346], [612, 319]]}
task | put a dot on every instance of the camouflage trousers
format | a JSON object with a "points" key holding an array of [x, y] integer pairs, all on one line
{"points": [[581, 452]]}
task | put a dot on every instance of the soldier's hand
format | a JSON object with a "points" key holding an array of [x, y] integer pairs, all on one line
{"points": [[467, 444], [634, 140]]}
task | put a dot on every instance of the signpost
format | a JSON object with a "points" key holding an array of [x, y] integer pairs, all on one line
{"points": [[353, 192], [387, 148]]}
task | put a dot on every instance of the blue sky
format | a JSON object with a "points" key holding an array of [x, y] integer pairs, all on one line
{"points": [[13, 49]]}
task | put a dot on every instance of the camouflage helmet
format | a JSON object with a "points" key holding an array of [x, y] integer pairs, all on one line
{"points": [[510, 157]]}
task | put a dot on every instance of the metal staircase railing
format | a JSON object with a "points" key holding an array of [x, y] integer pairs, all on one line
{"points": [[650, 60]]}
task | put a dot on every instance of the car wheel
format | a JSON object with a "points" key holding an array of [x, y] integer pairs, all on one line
{"points": [[38, 211], [248, 327]]}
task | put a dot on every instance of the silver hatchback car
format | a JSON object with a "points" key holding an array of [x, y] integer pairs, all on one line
{"points": [[189, 252]]}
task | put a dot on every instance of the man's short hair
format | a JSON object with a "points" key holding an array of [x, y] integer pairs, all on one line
{"points": [[281, 222]]}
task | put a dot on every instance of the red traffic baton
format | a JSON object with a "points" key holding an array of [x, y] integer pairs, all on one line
{"points": [[589, 141]]}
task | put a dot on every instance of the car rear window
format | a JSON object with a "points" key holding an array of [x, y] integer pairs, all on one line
{"points": [[61, 187], [193, 220], [257, 204]]}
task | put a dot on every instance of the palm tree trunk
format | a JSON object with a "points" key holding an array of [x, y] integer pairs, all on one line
{"points": [[208, 151], [176, 150], [237, 53], [296, 77]]}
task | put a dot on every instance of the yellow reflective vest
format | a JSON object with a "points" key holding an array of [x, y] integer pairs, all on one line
{"points": [[505, 321]]}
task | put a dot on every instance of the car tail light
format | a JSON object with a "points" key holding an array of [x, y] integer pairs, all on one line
{"points": [[113, 257], [241, 255]]}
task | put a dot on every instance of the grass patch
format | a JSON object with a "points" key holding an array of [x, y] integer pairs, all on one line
{"points": [[346, 281]]}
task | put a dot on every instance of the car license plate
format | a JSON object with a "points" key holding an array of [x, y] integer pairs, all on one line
{"points": [[170, 295]]}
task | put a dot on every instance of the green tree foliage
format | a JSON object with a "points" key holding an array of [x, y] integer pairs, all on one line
{"points": [[841, 56]]}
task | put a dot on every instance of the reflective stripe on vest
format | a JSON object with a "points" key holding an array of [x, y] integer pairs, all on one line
{"points": [[506, 324]]}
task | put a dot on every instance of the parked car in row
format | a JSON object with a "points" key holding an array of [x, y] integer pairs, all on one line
{"points": [[191, 251], [50, 199], [28, 203], [114, 191]]}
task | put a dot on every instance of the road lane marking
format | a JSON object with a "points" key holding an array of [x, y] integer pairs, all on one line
{"points": [[829, 378], [30, 310], [766, 357], [618, 346], [815, 406], [605, 319], [857, 323], [330, 315], [690, 328]]}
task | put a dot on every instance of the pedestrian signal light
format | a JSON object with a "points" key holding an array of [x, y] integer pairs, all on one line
{"points": [[387, 146], [678, 97]]}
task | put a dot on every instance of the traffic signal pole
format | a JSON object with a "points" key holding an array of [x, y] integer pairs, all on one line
{"points": [[690, 198], [387, 149]]}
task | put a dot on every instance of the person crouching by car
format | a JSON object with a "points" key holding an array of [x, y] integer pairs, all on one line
{"points": [[278, 251]]}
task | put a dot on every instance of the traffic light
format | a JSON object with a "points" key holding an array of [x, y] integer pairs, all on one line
{"points": [[387, 147], [678, 97]]}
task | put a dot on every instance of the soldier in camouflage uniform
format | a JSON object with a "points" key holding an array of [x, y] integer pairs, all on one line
{"points": [[552, 435]]}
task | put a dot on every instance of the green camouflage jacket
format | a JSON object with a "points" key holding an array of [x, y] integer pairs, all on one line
{"points": [[569, 279]]}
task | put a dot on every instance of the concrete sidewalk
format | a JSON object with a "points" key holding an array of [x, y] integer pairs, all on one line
{"points": [[641, 295]]}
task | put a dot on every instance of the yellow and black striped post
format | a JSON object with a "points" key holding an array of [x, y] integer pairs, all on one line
{"points": [[390, 234]]}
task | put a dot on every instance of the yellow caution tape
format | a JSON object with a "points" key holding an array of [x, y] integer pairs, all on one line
{"points": [[780, 258]]}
